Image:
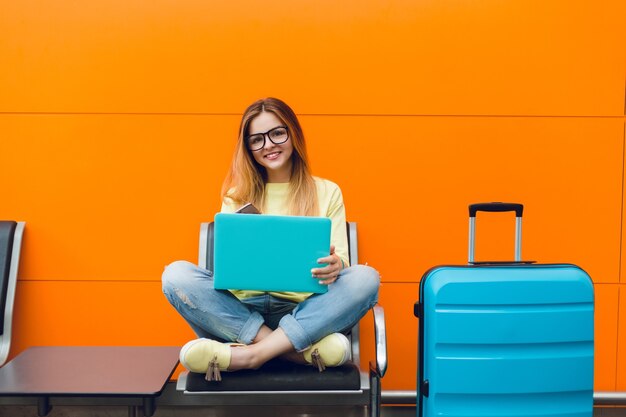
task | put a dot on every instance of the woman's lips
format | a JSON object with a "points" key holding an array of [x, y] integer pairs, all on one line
{"points": [[272, 156]]}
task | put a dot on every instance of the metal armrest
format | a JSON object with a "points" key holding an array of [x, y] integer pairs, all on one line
{"points": [[380, 334]]}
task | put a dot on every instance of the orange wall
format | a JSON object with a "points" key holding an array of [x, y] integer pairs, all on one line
{"points": [[118, 120]]}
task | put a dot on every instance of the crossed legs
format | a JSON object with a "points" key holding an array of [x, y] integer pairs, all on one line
{"points": [[218, 314]]}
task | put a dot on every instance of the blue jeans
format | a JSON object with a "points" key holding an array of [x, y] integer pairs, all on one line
{"points": [[219, 314]]}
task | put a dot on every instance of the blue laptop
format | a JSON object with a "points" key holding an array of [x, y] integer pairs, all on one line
{"points": [[269, 253]]}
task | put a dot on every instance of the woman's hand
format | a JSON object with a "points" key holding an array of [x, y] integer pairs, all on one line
{"points": [[329, 273]]}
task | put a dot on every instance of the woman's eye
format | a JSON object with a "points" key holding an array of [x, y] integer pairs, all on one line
{"points": [[278, 133], [255, 140]]}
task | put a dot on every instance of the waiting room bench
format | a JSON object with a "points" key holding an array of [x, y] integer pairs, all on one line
{"points": [[279, 383]]}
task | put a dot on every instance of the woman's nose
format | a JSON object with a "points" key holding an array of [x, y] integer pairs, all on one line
{"points": [[268, 143]]}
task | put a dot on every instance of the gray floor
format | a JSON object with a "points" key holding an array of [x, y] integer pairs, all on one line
{"points": [[243, 411], [173, 403], [191, 411]]}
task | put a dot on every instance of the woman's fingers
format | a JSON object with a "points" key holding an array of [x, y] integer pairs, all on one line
{"points": [[328, 274], [328, 281]]}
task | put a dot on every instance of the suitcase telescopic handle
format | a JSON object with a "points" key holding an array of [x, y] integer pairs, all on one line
{"points": [[496, 207]]}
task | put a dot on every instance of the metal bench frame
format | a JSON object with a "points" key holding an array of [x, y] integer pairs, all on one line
{"points": [[369, 393], [5, 337]]}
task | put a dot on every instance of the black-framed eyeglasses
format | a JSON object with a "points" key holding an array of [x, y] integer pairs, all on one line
{"points": [[276, 135]]}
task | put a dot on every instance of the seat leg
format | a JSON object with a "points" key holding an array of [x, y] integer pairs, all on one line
{"points": [[43, 406], [375, 393], [149, 406]]}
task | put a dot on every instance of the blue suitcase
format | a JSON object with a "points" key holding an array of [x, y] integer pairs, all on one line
{"points": [[505, 338]]}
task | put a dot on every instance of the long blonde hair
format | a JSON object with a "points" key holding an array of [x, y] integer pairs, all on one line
{"points": [[245, 181]]}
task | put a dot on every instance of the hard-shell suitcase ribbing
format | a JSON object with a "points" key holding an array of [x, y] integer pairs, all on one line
{"points": [[505, 339]]}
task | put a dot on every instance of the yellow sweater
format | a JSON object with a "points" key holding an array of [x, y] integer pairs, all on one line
{"points": [[331, 205]]}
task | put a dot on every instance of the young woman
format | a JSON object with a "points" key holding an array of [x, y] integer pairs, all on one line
{"points": [[245, 329]]}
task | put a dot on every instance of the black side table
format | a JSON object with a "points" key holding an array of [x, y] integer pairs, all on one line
{"points": [[90, 371]]}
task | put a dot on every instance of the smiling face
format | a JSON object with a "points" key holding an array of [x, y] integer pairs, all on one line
{"points": [[276, 159]]}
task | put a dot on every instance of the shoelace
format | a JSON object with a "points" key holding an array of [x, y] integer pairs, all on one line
{"points": [[213, 371], [316, 360]]}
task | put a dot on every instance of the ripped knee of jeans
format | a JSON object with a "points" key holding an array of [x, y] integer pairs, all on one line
{"points": [[184, 297]]}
